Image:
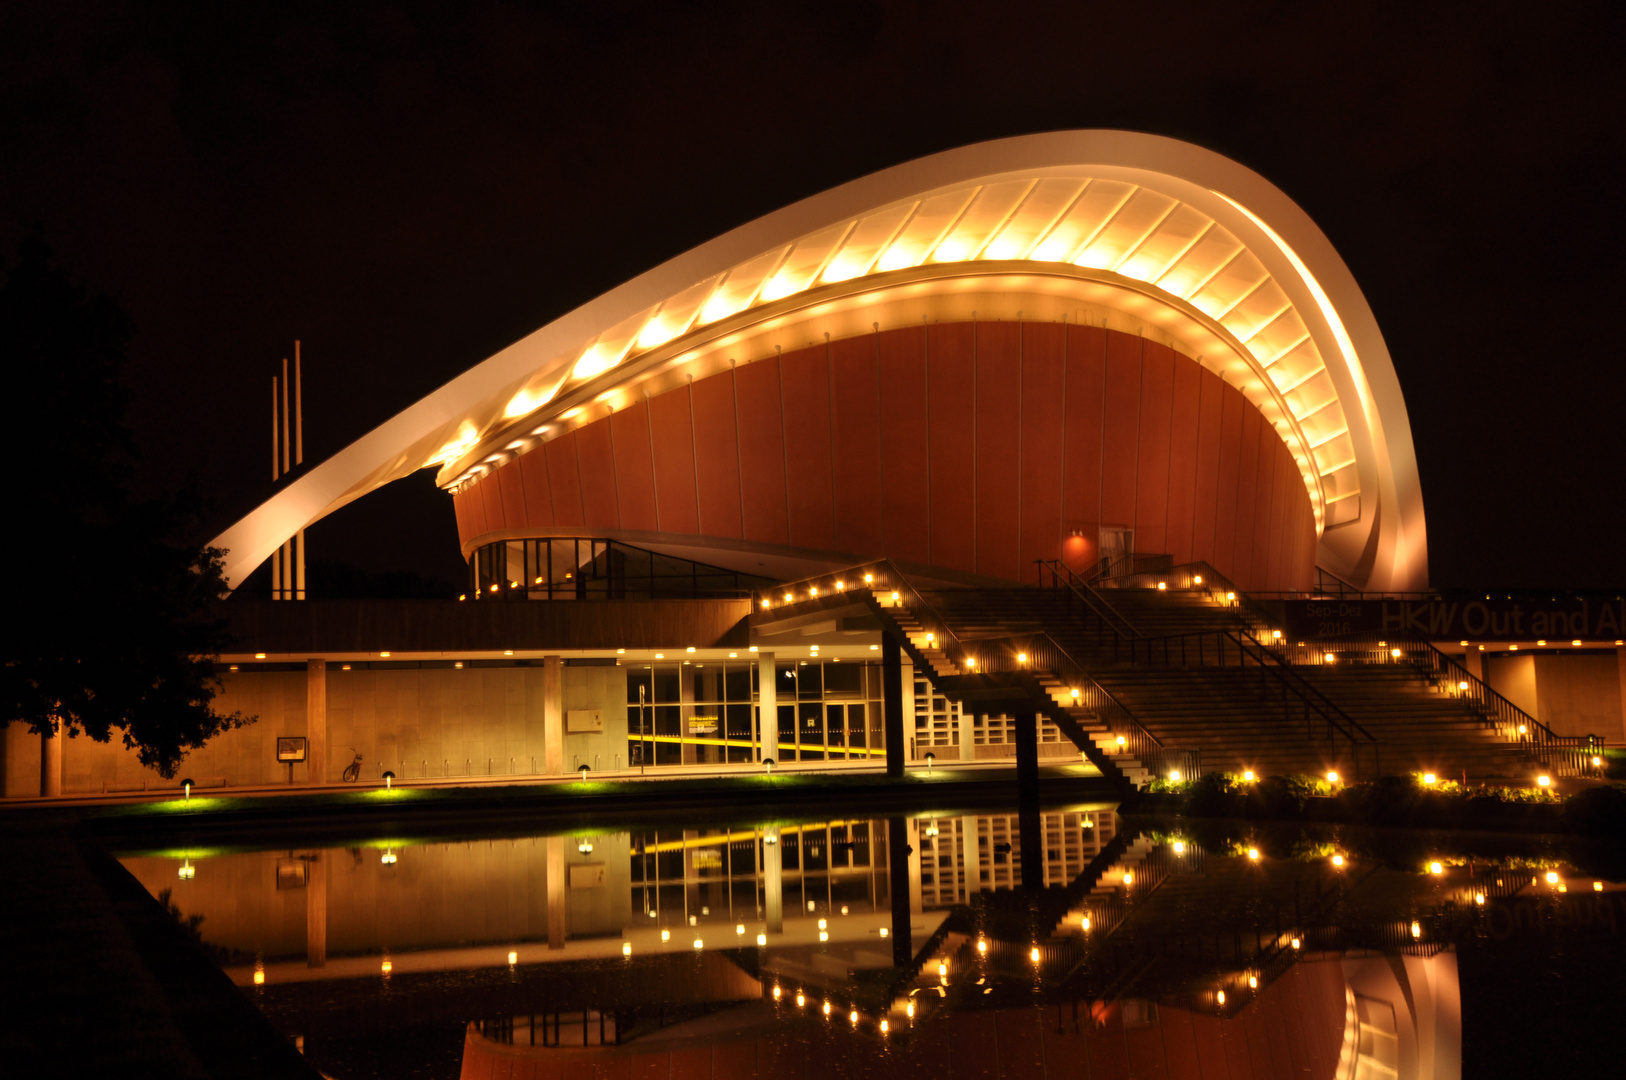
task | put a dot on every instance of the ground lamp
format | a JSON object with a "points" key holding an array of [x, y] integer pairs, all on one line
{"points": [[389, 779]]}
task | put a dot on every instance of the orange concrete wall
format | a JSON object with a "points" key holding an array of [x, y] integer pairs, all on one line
{"points": [[971, 446]]}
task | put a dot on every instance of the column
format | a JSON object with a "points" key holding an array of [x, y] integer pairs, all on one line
{"points": [[971, 855], [1030, 827], [968, 733], [316, 911], [553, 722], [1474, 661], [917, 900], [767, 729], [892, 703], [898, 854], [906, 680], [556, 891], [51, 762], [316, 721], [773, 881], [690, 753]]}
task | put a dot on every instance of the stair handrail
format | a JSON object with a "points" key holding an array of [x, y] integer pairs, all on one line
{"points": [[1046, 654], [1062, 575], [1496, 712], [1222, 590]]}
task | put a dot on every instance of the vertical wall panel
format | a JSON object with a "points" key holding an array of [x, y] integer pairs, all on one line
{"points": [[460, 509], [1279, 527], [1183, 434], [717, 455], [1205, 498], [855, 432], [595, 456], [999, 448], [1121, 432], [672, 431], [513, 495], [1152, 472], [491, 498], [1081, 467], [634, 467], [533, 471], [1246, 488], [950, 373], [1043, 402], [762, 452], [905, 468], [1230, 478], [1264, 493], [564, 477], [805, 376]]}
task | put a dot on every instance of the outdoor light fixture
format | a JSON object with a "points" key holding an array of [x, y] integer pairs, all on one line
{"points": [[740, 929], [585, 847], [868, 578], [1247, 776], [1544, 780], [1429, 778], [187, 786], [626, 948], [1021, 658], [259, 976], [971, 661], [788, 597], [1198, 579], [1174, 775], [1219, 996], [583, 769], [1338, 860], [513, 957], [982, 946], [1332, 776], [1122, 742], [1295, 943], [931, 830], [1329, 658], [767, 765], [1253, 854], [801, 999], [698, 944], [1231, 596], [827, 1008], [1435, 867], [666, 935], [1162, 585], [884, 1027], [1416, 930], [1596, 761], [930, 759], [895, 596], [884, 931], [388, 858], [1084, 922], [386, 967], [1522, 729], [389, 779], [1179, 847], [187, 871], [762, 939], [841, 586], [853, 1016], [1552, 877]]}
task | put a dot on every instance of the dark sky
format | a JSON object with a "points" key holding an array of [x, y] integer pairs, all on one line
{"points": [[410, 187]]}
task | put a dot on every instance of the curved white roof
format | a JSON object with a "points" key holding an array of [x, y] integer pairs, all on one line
{"points": [[1214, 246]]}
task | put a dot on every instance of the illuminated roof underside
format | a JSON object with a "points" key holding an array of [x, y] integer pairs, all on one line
{"points": [[1178, 239]]}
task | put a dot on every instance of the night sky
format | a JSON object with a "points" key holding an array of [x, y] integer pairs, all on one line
{"points": [[410, 187]]}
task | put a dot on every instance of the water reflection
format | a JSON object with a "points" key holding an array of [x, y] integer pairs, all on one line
{"points": [[903, 944]]}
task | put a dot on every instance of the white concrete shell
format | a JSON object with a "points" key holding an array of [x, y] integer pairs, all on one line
{"points": [[1235, 273]]}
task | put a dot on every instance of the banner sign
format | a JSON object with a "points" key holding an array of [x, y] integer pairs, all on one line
{"points": [[702, 725], [1443, 619]]}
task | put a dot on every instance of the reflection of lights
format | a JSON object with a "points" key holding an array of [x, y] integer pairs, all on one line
{"points": [[801, 999], [1033, 954], [1084, 922], [853, 1016], [762, 939], [982, 946], [827, 1008], [1219, 996], [699, 944], [626, 948], [884, 931], [776, 991], [1253, 982], [1479, 898], [386, 967], [1597, 886], [187, 871], [513, 957], [885, 1027], [1416, 930], [824, 924], [740, 929], [666, 935], [388, 858], [259, 976], [824, 935], [1296, 943]]}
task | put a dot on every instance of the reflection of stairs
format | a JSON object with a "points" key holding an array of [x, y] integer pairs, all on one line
{"points": [[1109, 884]]}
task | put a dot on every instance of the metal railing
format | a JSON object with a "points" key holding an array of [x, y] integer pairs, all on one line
{"points": [[1567, 755], [1038, 654], [1078, 588]]}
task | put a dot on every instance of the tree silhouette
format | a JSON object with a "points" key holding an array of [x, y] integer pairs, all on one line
{"points": [[109, 624]]}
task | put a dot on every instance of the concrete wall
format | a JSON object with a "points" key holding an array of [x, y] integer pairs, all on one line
{"points": [[1576, 693], [1579, 694], [436, 720]]}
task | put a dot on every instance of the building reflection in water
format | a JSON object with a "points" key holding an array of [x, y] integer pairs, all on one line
{"points": [[765, 950]]}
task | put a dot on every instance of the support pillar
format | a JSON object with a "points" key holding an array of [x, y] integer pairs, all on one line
{"points": [[1030, 826], [898, 853], [553, 723], [773, 882], [316, 911], [767, 731], [966, 723], [316, 721], [892, 703], [51, 762], [1474, 661], [557, 887], [971, 855]]}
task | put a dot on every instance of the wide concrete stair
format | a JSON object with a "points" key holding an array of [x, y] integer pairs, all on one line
{"points": [[1240, 717]]}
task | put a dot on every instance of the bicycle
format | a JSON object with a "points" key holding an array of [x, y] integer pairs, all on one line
{"points": [[352, 772]]}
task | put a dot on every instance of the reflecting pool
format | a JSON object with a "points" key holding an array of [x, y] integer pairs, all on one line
{"points": [[924, 945]]}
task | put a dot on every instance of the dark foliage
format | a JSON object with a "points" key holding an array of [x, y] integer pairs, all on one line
{"points": [[109, 625]]}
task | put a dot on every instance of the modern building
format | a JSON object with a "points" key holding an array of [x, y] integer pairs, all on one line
{"points": [[1093, 387]]}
